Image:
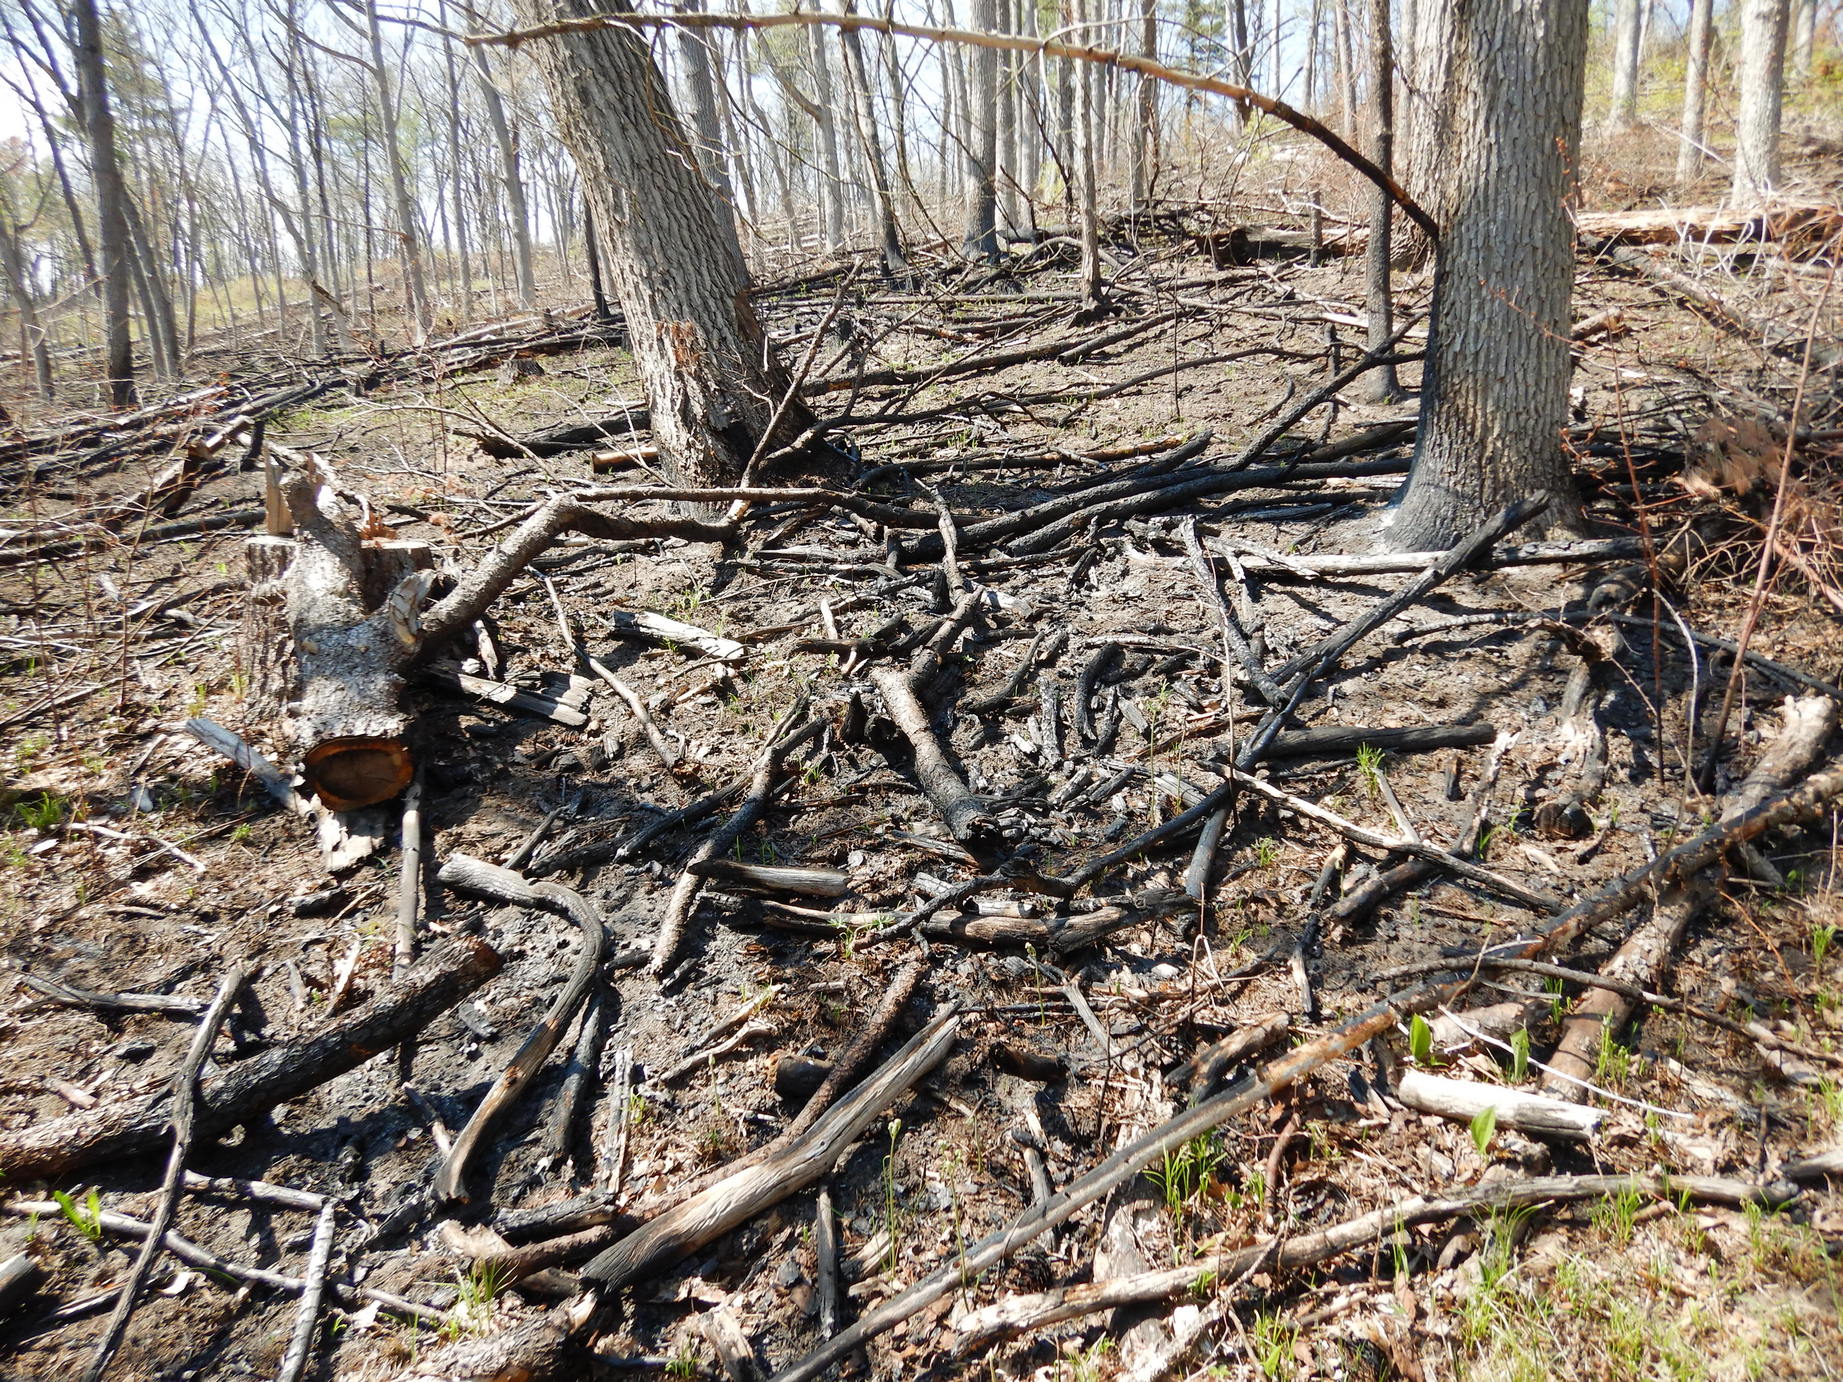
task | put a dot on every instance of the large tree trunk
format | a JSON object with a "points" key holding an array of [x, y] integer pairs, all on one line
{"points": [[1762, 81], [713, 381], [1628, 17], [1695, 89], [114, 267], [1495, 397]]}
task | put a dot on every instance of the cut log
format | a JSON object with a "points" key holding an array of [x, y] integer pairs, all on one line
{"points": [[1707, 224], [332, 621]]}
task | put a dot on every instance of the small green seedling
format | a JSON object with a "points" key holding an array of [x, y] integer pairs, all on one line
{"points": [[1420, 1041], [84, 1216], [1369, 767], [1519, 1055], [1484, 1125]]}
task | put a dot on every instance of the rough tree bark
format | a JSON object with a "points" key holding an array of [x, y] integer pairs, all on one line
{"points": [[713, 380], [1690, 152], [111, 201], [1495, 396], [1762, 83]]}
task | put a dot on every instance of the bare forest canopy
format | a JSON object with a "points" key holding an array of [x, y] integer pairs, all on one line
{"points": [[333, 173]]}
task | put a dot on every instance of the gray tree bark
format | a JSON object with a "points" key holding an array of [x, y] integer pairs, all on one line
{"points": [[1145, 140], [1804, 37], [713, 380], [511, 179], [864, 111], [1380, 385], [1690, 148], [1495, 396], [695, 56], [1628, 21], [409, 236], [1762, 83], [832, 184], [113, 253], [981, 239]]}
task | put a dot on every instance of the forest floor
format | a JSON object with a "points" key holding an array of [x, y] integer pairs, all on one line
{"points": [[1084, 692]]}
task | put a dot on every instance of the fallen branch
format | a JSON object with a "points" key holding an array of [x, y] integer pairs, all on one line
{"points": [[1015, 1315], [503, 885], [130, 1127]]}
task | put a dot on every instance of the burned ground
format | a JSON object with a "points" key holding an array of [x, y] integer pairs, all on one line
{"points": [[1086, 695]]}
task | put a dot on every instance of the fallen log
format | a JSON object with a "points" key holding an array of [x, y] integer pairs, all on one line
{"points": [[1705, 224], [130, 1127], [564, 438], [733, 1200], [1464, 1100], [1325, 740]]}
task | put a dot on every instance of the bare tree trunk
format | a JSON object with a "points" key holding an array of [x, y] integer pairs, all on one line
{"points": [[857, 75], [1762, 82], [714, 383], [981, 239], [463, 251], [833, 195], [114, 265], [1495, 398], [511, 180], [1804, 37], [1690, 149], [1628, 18], [1145, 141], [1010, 100], [409, 237], [696, 57], [1093, 300], [1429, 107], [1241, 52], [19, 283], [1346, 68], [1380, 385]]}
